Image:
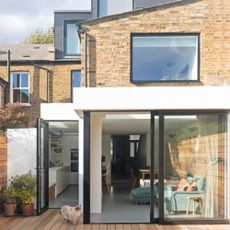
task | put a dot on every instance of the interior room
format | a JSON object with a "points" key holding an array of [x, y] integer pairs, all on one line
{"points": [[195, 169], [63, 164], [125, 152]]}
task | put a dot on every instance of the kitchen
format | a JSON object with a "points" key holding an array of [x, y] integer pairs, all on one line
{"points": [[63, 164]]}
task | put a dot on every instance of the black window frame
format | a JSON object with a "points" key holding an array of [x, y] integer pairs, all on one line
{"points": [[65, 23], [132, 35]]}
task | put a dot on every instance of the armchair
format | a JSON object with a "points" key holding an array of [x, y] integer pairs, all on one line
{"points": [[179, 199]]}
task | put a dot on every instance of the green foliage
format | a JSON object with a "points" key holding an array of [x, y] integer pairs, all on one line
{"points": [[9, 195], [25, 197], [25, 186], [40, 36], [12, 115]]}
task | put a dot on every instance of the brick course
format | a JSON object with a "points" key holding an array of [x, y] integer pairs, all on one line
{"points": [[109, 41]]}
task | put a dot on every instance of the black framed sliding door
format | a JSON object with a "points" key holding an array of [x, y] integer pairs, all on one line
{"points": [[42, 167], [193, 178]]}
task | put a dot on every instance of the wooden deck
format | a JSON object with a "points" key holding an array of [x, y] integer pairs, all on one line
{"points": [[51, 219]]}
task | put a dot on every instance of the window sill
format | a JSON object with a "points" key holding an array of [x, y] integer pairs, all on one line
{"points": [[24, 104]]}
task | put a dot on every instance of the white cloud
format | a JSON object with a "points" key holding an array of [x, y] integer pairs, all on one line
{"points": [[20, 17]]}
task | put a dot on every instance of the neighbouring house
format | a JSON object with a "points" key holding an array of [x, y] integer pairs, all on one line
{"points": [[146, 137], [36, 77]]}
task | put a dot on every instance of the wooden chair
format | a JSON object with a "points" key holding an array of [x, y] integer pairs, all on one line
{"points": [[134, 178]]}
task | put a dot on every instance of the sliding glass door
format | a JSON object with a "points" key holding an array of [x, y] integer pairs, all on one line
{"points": [[193, 167]]}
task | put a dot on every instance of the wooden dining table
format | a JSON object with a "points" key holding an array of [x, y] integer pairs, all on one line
{"points": [[146, 172]]}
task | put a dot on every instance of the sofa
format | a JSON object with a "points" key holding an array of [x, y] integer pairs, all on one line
{"points": [[179, 199]]}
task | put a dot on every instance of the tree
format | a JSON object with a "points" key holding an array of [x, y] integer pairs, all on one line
{"points": [[12, 116], [40, 36]]}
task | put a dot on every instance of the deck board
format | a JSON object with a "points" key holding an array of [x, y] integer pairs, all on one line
{"points": [[51, 219]]}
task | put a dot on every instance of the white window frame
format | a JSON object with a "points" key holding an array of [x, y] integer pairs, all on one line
{"points": [[19, 88]]}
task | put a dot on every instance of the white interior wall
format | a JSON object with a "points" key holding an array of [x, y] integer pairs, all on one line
{"points": [[81, 161], [95, 163], [22, 149]]}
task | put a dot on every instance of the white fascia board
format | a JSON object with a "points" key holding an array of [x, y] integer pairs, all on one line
{"points": [[58, 111], [152, 98]]}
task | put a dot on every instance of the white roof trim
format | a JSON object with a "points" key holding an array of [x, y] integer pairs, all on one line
{"points": [[152, 98]]}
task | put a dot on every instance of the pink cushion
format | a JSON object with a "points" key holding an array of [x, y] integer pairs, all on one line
{"points": [[191, 187], [182, 184]]}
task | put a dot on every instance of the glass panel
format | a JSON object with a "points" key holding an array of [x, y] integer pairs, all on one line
{"points": [[43, 150], [109, 7], [63, 150], [24, 80], [124, 193], [16, 95], [195, 167], [155, 204], [164, 58], [24, 96], [71, 40], [76, 78], [16, 80], [132, 149]]}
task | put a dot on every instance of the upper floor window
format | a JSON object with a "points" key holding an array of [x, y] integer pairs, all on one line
{"points": [[72, 45], [164, 58], [109, 7], [20, 87], [75, 80]]}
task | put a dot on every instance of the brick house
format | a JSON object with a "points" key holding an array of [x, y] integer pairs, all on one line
{"points": [[36, 77], [151, 117]]}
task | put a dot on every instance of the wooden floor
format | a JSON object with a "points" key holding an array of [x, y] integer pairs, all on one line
{"points": [[51, 219]]}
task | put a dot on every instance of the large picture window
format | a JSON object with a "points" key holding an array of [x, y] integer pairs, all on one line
{"points": [[20, 87], [164, 58], [109, 7], [71, 40]]}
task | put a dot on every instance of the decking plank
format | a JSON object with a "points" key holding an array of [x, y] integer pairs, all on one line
{"points": [[111, 227], [103, 227], [135, 227], [119, 227], [52, 220], [126, 226]]}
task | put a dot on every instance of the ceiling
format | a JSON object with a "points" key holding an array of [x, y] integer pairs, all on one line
{"points": [[121, 124], [67, 127]]}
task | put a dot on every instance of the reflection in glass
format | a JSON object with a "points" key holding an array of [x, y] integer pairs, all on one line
{"points": [[164, 58], [195, 173]]}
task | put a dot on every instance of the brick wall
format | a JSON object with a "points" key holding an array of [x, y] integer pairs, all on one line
{"points": [[3, 160], [185, 158], [59, 84], [109, 41]]}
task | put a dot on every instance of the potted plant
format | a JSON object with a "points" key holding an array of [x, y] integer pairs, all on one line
{"points": [[26, 200], [25, 187], [9, 197]]}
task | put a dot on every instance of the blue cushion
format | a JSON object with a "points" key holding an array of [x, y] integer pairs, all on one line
{"points": [[199, 183]]}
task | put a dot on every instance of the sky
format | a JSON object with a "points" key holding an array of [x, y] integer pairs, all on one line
{"points": [[18, 18]]}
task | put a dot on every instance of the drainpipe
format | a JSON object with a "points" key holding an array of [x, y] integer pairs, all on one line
{"points": [[8, 76], [83, 30], [85, 55], [47, 85]]}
